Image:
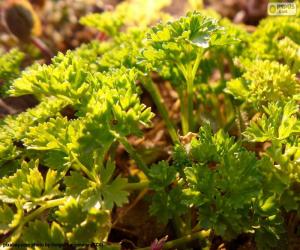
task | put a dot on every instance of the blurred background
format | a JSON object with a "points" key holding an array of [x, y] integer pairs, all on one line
{"points": [[60, 29]]}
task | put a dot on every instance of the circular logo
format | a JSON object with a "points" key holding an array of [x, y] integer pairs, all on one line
{"points": [[272, 9]]}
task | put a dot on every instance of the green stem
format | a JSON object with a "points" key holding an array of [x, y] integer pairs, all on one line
{"points": [[229, 124], [190, 104], [133, 153], [137, 185], [183, 240], [184, 119], [190, 91], [178, 226], [221, 69], [188, 221], [85, 170], [48, 204], [241, 125], [160, 104], [196, 64], [188, 121], [189, 73]]}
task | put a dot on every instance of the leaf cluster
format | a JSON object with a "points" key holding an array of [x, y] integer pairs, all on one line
{"points": [[264, 81], [10, 63]]}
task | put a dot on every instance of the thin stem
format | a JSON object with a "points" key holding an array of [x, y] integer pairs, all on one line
{"points": [[7, 108], [43, 48], [178, 226], [137, 185], [190, 92], [196, 64], [85, 170], [188, 121], [133, 153], [229, 123], [184, 119], [190, 104], [183, 240], [48, 204], [183, 70], [188, 221], [160, 104], [189, 72], [183, 101], [241, 125]]}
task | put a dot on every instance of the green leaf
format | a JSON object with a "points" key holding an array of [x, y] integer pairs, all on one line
{"points": [[204, 148], [35, 183], [6, 217], [70, 214], [238, 88], [166, 205], [172, 48], [40, 232], [107, 22], [83, 226], [57, 233], [223, 179], [161, 175], [94, 229], [269, 204], [13, 128], [271, 233], [57, 134], [75, 183], [10, 188], [265, 41], [114, 193], [290, 52], [262, 82], [28, 184], [51, 181], [105, 195], [278, 123], [107, 172], [9, 68]]}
